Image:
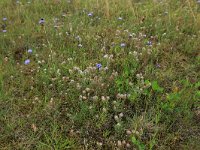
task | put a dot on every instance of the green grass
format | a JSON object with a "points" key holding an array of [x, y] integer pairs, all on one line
{"points": [[145, 95]]}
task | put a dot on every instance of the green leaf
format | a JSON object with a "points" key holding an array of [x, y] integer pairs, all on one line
{"points": [[140, 145], [133, 97], [147, 82], [156, 87], [198, 94]]}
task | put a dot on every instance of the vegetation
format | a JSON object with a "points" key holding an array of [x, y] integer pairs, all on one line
{"points": [[99, 74]]}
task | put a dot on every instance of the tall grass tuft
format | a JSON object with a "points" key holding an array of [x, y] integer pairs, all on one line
{"points": [[107, 9]]}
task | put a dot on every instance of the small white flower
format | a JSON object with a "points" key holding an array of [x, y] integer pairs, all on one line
{"points": [[116, 118], [87, 89], [121, 115], [104, 110], [95, 97], [120, 18], [128, 132], [80, 45], [119, 143]]}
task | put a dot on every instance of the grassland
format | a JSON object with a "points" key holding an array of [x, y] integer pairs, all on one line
{"points": [[99, 74]]}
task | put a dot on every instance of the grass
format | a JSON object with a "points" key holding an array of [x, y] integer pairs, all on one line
{"points": [[103, 74]]}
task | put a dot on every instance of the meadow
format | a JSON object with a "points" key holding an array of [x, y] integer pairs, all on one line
{"points": [[100, 74]]}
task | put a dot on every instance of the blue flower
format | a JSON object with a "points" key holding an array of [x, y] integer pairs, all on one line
{"points": [[4, 31], [98, 66], [4, 19], [42, 21], [123, 44], [30, 51], [27, 61], [90, 14]]}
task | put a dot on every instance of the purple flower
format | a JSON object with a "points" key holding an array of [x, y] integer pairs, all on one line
{"points": [[4, 31], [158, 65], [90, 14], [98, 66], [30, 50], [4, 19], [42, 21], [27, 61], [149, 43], [123, 44]]}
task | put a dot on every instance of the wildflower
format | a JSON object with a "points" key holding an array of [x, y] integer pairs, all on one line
{"points": [[138, 75], [158, 65], [128, 145], [95, 98], [123, 44], [128, 132], [34, 127], [30, 51], [80, 97], [27, 61], [104, 110], [123, 142], [6, 59], [56, 26], [116, 118], [4, 19], [42, 21], [121, 115], [130, 35], [119, 143], [67, 33], [118, 124], [135, 132], [149, 43], [105, 56], [80, 45], [120, 18], [78, 38], [103, 98], [98, 66], [4, 31], [84, 92], [114, 102], [166, 12], [87, 89], [99, 143], [90, 14]]}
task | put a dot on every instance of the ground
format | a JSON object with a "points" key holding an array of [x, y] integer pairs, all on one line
{"points": [[100, 74]]}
